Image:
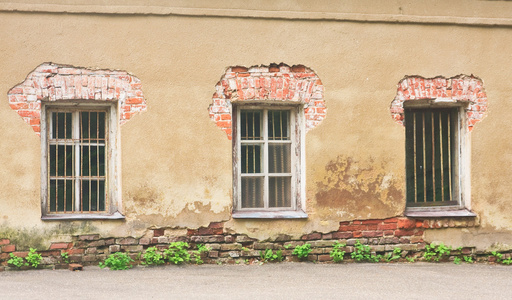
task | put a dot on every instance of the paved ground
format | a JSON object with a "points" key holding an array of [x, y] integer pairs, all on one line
{"points": [[269, 281]]}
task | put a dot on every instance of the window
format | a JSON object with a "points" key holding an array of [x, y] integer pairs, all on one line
{"points": [[435, 158], [78, 148], [267, 162]]}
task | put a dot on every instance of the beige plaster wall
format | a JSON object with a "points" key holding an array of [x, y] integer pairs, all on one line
{"points": [[176, 164]]}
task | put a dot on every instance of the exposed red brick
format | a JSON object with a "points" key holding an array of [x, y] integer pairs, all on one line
{"points": [[372, 221], [21, 253], [74, 251], [268, 83], [461, 88], [324, 257], [344, 223], [357, 234], [298, 68], [404, 223], [4, 241], [191, 232], [391, 220], [158, 232], [239, 69], [60, 245], [400, 233], [341, 235], [9, 248], [352, 227], [387, 226], [205, 231], [372, 233], [66, 82]]}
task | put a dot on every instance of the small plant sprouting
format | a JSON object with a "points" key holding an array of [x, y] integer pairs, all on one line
{"points": [[363, 253], [197, 254], [33, 258], [153, 257], [65, 257], [468, 259], [410, 259], [336, 253], [397, 252], [499, 258], [117, 261], [436, 252], [16, 261], [303, 251], [268, 255], [457, 260], [177, 253]]}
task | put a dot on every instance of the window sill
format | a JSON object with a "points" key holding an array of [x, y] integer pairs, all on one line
{"points": [[439, 213], [61, 217], [269, 215]]}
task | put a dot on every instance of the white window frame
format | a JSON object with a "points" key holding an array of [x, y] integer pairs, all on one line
{"points": [[112, 157], [297, 132], [462, 190]]}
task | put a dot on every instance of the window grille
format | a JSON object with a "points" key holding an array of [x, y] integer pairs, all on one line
{"points": [[265, 158], [432, 154], [77, 161]]}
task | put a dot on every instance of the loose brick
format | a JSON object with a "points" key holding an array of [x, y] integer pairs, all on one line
{"points": [[342, 235], [374, 222], [158, 232], [216, 225], [9, 248], [144, 241], [89, 237], [406, 224], [324, 257], [126, 241], [387, 226]]}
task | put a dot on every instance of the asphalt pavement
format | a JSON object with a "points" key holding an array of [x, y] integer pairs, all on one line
{"points": [[267, 281]]}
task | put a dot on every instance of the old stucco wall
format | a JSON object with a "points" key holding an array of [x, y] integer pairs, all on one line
{"points": [[176, 164]]}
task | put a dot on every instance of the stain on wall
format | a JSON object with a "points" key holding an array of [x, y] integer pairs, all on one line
{"points": [[355, 189]]}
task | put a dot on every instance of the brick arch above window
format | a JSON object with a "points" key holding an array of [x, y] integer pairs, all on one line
{"points": [[461, 88], [273, 83], [54, 82]]}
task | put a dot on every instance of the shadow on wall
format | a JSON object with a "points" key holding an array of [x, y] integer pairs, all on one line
{"points": [[359, 190]]}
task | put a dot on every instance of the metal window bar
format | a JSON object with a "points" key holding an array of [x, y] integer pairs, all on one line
{"points": [[430, 156]]}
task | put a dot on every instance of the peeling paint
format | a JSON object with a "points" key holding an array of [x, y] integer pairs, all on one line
{"points": [[353, 189]]}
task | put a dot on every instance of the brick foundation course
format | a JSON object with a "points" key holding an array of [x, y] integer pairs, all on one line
{"points": [[381, 235]]}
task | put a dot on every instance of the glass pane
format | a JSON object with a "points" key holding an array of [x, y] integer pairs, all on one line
{"points": [[53, 160], [101, 195], [279, 192], [94, 195], [250, 124], [279, 158], [101, 160], [85, 198], [53, 195], [101, 125], [69, 126], [84, 125], [54, 125], [251, 158], [61, 160], [60, 195], [61, 124], [278, 125], [410, 156], [420, 193], [69, 195], [252, 192], [85, 161]]}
